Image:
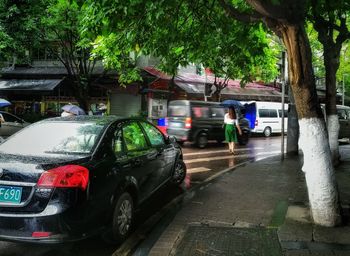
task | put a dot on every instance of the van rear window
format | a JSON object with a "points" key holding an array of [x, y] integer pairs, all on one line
{"points": [[178, 111]]}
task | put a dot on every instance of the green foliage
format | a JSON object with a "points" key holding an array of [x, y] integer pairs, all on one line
{"points": [[317, 51], [18, 27], [180, 33], [343, 74], [330, 20]]}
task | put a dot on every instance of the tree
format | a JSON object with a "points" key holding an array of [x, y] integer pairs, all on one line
{"points": [[330, 20], [285, 18], [18, 28], [59, 32], [183, 32], [343, 74]]}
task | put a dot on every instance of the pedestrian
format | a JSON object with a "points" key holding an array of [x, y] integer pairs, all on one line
{"points": [[231, 124], [66, 113]]}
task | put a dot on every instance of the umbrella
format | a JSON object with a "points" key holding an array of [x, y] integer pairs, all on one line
{"points": [[4, 103], [231, 104], [73, 109]]}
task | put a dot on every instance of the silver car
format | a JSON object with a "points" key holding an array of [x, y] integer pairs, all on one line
{"points": [[10, 124]]}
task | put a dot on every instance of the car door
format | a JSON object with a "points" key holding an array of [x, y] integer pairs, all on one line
{"points": [[10, 125], [142, 159], [165, 153], [217, 116]]}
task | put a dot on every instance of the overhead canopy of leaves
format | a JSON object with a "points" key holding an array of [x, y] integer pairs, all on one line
{"points": [[18, 26], [180, 32]]}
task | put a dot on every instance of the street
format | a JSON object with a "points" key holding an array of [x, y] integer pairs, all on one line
{"points": [[201, 165]]}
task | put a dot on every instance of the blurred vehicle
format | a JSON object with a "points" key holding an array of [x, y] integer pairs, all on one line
{"points": [[200, 121], [10, 124], [65, 179], [266, 117], [344, 121]]}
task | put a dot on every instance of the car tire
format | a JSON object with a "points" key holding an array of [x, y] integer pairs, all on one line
{"points": [[179, 172], [122, 218], [202, 140], [267, 131]]}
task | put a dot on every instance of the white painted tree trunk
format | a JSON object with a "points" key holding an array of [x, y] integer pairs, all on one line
{"points": [[333, 133], [319, 172]]}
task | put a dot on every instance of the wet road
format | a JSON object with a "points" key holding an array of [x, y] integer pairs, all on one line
{"points": [[201, 164]]}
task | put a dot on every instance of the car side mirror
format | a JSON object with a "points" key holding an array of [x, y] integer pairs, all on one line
{"points": [[171, 139]]}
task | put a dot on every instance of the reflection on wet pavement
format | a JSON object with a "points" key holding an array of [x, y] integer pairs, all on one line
{"points": [[203, 163]]}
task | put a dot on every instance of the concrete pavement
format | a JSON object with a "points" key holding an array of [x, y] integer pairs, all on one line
{"points": [[260, 208]]}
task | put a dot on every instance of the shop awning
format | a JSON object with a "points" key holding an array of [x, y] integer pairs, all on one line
{"points": [[29, 85], [250, 92]]}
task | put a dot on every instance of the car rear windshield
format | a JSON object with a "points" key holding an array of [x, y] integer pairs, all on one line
{"points": [[178, 111], [47, 138]]}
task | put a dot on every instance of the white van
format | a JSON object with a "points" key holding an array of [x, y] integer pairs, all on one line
{"points": [[266, 117]]}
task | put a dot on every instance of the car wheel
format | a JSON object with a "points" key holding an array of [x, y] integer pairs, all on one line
{"points": [[123, 217], [202, 140], [179, 173], [267, 132]]}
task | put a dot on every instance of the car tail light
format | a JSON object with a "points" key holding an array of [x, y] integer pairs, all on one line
{"points": [[188, 122], [40, 234], [256, 122], [68, 176]]}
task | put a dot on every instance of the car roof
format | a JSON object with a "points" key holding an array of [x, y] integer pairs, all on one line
{"points": [[101, 120]]}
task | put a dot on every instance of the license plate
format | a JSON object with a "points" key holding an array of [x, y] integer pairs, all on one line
{"points": [[175, 124], [10, 194]]}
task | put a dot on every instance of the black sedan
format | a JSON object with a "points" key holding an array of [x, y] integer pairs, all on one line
{"points": [[65, 179]]}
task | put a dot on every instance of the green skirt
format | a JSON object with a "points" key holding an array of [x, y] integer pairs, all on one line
{"points": [[230, 133]]}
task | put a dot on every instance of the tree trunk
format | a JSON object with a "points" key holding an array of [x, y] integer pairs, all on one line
{"points": [[331, 62], [81, 93], [293, 127], [313, 141]]}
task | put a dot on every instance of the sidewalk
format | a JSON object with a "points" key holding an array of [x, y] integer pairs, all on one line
{"points": [[257, 209]]}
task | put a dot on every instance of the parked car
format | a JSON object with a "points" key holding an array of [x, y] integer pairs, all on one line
{"points": [[10, 124], [200, 121], [344, 121], [266, 117], [64, 179]]}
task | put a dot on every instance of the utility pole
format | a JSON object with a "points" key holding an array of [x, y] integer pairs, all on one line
{"points": [[343, 91], [283, 94]]}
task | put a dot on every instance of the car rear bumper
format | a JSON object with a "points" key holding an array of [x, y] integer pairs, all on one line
{"points": [[179, 134], [49, 226]]}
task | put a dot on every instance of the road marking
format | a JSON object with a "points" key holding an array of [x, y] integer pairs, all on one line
{"points": [[209, 159], [198, 169], [219, 151]]}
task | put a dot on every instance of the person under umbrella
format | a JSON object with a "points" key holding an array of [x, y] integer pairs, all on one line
{"points": [[72, 110], [231, 123]]}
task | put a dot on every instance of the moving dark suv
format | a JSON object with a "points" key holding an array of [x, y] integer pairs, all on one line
{"points": [[200, 121]]}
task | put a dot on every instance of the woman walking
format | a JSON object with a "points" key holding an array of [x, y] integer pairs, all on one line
{"points": [[231, 123]]}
